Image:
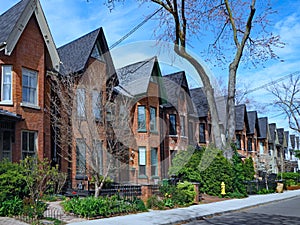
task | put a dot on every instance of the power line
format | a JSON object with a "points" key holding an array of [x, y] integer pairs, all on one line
{"points": [[272, 82], [134, 29]]}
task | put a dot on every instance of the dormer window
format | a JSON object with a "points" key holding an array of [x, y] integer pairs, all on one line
{"points": [[6, 84], [97, 53]]}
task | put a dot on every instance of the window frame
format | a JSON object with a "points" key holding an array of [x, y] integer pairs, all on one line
{"points": [[172, 124], [141, 124], [83, 162], [81, 103], [31, 74], [3, 74], [249, 147], [238, 142], [27, 151], [97, 104], [182, 126], [142, 165], [154, 162], [153, 120], [202, 135]]}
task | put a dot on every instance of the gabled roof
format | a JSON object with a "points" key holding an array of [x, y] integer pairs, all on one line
{"points": [[14, 21], [200, 101], [281, 137], [263, 127], [287, 139], [292, 137], [175, 84], [273, 133], [75, 55], [135, 78], [241, 117], [253, 122]]}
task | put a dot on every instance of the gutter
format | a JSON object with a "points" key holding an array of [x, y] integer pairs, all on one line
{"points": [[2, 45]]}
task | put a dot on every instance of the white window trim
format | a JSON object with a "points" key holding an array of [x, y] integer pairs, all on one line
{"points": [[35, 141], [29, 104], [6, 102]]}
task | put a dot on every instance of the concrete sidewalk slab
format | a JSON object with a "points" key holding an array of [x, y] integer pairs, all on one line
{"points": [[174, 216]]}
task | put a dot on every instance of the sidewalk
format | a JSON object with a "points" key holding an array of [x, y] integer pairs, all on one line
{"points": [[175, 216]]}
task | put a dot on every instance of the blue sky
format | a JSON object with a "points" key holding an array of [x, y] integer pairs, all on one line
{"points": [[70, 19]]}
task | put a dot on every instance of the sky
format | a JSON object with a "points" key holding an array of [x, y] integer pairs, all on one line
{"points": [[70, 19]]}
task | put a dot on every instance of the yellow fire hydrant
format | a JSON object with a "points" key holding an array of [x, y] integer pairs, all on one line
{"points": [[223, 189]]}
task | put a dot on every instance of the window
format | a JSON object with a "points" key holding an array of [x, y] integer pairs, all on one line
{"points": [[154, 162], [153, 119], [238, 141], [191, 133], [6, 137], [80, 156], [249, 144], [6, 84], [202, 133], [29, 86], [182, 125], [80, 96], [141, 118], [97, 104], [172, 124], [97, 53], [29, 143], [142, 161]]}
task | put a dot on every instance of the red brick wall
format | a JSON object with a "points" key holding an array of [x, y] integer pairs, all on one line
{"points": [[29, 53]]}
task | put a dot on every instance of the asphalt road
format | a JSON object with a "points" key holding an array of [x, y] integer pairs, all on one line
{"points": [[277, 213]]}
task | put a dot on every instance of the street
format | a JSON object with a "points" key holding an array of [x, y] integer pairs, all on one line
{"points": [[282, 212]]}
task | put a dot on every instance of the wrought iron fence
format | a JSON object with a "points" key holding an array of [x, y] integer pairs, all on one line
{"points": [[255, 186]]}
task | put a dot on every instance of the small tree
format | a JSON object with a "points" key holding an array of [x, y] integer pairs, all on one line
{"points": [[39, 176], [88, 111]]}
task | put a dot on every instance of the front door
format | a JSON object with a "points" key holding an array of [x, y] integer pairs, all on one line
{"points": [[5, 145]]}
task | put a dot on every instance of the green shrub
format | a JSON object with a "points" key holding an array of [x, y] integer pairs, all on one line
{"points": [[11, 207], [12, 181], [265, 191], [185, 194], [103, 206], [289, 177], [155, 203], [235, 195]]}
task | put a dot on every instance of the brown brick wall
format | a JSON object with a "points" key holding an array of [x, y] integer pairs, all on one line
{"points": [[29, 53]]}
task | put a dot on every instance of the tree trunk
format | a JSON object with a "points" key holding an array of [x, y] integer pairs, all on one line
{"points": [[230, 126], [209, 94]]}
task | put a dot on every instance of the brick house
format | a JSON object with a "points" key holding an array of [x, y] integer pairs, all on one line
{"points": [[27, 57], [241, 129], [202, 127], [88, 60], [178, 114], [274, 147], [142, 81]]}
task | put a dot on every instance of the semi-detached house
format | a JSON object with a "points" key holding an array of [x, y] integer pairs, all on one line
{"points": [[27, 55]]}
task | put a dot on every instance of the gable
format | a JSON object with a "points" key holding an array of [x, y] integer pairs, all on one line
{"points": [[14, 21], [135, 78]]}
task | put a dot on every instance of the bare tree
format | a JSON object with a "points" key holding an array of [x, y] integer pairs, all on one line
{"points": [[88, 124], [287, 100], [231, 23]]}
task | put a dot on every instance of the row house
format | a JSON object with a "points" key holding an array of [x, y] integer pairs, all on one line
{"points": [[88, 77], [142, 81], [27, 57]]}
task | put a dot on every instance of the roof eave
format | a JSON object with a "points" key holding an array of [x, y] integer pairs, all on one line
{"points": [[33, 7]]}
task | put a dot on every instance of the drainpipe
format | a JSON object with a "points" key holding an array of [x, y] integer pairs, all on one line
{"points": [[2, 45]]}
